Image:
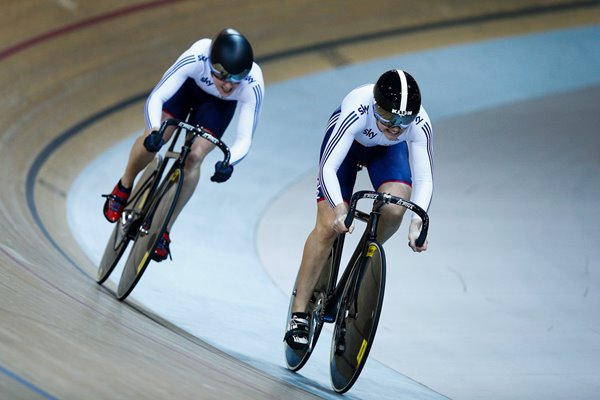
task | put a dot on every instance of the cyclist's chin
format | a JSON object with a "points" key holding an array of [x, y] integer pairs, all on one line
{"points": [[224, 93], [392, 135], [226, 90]]}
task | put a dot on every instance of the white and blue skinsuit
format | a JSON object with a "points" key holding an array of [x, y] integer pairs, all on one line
{"points": [[352, 138], [188, 82]]}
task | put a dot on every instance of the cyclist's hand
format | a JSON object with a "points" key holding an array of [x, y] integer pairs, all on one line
{"points": [[153, 142], [222, 172], [341, 210], [413, 234]]}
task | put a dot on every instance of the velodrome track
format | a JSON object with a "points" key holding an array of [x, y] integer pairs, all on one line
{"points": [[64, 337]]}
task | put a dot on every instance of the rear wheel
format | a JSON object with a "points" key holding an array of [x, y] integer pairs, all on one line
{"points": [[120, 236], [295, 359], [357, 319], [151, 228]]}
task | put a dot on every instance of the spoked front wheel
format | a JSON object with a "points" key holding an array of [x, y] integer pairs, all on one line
{"points": [[151, 228], [295, 359], [120, 236], [357, 319]]}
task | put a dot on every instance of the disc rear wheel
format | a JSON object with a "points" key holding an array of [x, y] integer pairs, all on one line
{"points": [[357, 319]]}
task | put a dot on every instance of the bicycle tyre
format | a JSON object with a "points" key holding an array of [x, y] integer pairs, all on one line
{"points": [[120, 236], [295, 359], [354, 334], [145, 243]]}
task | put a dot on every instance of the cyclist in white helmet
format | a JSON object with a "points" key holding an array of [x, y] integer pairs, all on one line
{"points": [[383, 127], [212, 77]]}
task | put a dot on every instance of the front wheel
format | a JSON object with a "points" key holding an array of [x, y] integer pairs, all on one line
{"points": [[120, 236], [357, 318], [152, 226]]}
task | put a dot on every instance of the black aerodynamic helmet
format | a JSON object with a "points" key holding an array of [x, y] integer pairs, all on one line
{"points": [[231, 56], [397, 98]]}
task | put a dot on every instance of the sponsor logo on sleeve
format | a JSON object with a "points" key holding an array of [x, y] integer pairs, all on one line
{"points": [[362, 110]]}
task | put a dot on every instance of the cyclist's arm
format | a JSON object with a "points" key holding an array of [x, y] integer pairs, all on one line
{"points": [[335, 152], [421, 154], [171, 81], [251, 103]]}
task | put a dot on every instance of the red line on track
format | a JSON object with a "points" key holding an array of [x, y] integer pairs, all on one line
{"points": [[81, 25]]}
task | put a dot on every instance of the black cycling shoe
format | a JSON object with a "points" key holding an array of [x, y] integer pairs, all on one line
{"points": [[297, 335]]}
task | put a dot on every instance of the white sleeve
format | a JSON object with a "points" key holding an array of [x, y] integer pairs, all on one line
{"points": [[421, 155], [250, 108], [335, 151], [171, 81]]}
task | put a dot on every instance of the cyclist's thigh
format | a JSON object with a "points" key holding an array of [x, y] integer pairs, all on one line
{"points": [[389, 170], [213, 114], [210, 112], [178, 106], [390, 164]]}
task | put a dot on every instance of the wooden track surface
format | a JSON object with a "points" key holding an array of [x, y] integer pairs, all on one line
{"points": [[62, 63]]}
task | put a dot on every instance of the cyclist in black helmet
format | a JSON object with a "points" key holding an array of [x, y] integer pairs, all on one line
{"points": [[212, 77], [382, 127]]}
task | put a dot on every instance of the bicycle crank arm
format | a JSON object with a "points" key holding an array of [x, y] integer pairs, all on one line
{"points": [[331, 309]]}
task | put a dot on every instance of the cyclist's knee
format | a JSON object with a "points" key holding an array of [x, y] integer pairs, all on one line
{"points": [[392, 213], [194, 160], [325, 234], [199, 150]]}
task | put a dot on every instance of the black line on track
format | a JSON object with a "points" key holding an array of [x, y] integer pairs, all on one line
{"points": [[44, 155], [78, 128]]}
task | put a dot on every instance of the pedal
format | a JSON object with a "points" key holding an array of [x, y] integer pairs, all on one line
{"points": [[125, 217], [144, 228]]}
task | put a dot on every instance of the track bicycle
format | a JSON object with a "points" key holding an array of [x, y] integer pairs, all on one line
{"points": [[354, 303], [150, 207]]}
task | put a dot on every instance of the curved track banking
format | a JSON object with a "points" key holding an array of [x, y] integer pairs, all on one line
{"points": [[73, 76]]}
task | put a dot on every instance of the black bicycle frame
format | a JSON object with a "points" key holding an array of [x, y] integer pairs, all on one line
{"points": [[370, 235], [336, 288], [179, 157]]}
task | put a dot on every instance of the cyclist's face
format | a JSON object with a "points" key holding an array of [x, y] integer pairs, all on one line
{"points": [[225, 88]]}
